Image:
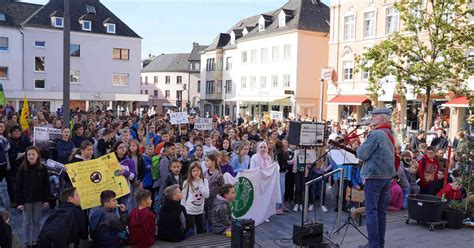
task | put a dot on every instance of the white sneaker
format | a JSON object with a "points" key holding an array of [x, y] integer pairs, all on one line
{"points": [[301, 207], [310, 208], [267, 220], [324, 209], [295, 208]]}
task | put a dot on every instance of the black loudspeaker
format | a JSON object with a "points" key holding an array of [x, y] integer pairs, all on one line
{"points": [[309, 234], [243, 233]]}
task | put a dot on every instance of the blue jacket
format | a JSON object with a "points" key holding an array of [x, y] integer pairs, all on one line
{"points": [[147, 180], [106, 226], [64, 149], [238, 167], [378, 156]]}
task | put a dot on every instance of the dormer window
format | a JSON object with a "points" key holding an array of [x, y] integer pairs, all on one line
{"points": [[2, 17], [110, 28], [263, 22], [282, 19], [232, 38], [58, 22], [90, 9], [86, 25]]}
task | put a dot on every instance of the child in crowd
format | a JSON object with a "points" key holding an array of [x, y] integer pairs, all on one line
{"points": [[141, 224], [208, 147], [224, 163], [396, 196], [147, 181], [195, 191], [172, 221], [430, 185], [410, 173], [220, 213], [428, 162], [185, 161], [105, 226], [164, 169], [6, 236], [452, 191], [215, 178]]}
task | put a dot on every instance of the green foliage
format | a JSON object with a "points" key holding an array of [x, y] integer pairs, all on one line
{"points": [[429, 53]]}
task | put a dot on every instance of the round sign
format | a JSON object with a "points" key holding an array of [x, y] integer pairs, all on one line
{"points": [[244, 194], [96, 177]]}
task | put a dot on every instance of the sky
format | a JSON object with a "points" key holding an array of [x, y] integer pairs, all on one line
{"points": [[171, 26]]}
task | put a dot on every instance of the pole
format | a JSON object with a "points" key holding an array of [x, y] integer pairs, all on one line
{"points": [[66, 64], [321, 100], [305, 193], [339, 205]]}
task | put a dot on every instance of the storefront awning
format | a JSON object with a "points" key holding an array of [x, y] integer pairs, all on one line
{"points": [[457, 102], [349, 100], [257, 99]]}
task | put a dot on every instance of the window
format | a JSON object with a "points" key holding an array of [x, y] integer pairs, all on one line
{"points": [[287, 51], [243, 82], [228, 63], [3, 72], [155, 79], [146, 79], [220, 62], [219, 87], [244, 57], [347, 70], [275, 53], [274, 81], [210, 65], [120, 79], [253, 82], [146, 92], [209, 87], [39, 64], [228, 86], [282, 19], [369, 24], [263, 82], [75, 50], [86, 25], [392, 20], [264, 55], [261, 24], [349, 27], [75, 77], [365, 75], [39, 83], [179, 79], [3, 43], [141, 91], [253, 56], [110, 28], [199, 86], [58, 22], [195, 66], [167, 94], [286, 81], [155, 93], [2, 17], [121, 54], [167, 80], [90, 9], [40, 44], [141, 80]]}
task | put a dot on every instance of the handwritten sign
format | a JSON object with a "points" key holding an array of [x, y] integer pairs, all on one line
{"points": [[94, 176], [310, 156], [203, 124], [179, 118], [44, 137], [276, 115]]}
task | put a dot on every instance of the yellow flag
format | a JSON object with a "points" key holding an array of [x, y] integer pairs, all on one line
{"points": [[25, 113]]}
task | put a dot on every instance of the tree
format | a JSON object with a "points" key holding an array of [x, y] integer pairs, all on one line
{"points": [[430, 54]]}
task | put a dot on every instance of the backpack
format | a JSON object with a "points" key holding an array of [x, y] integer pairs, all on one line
{"points": [[58, 227], [155, 167]]}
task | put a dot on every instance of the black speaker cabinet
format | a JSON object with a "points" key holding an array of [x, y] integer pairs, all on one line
{"points": [[309, 234], [243, 233]]}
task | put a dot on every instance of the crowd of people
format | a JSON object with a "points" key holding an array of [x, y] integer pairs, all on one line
{"points": [[175, 174]]}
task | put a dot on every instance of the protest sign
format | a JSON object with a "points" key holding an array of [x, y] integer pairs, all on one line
{"points": [[94, 176], [310, 156], [257, 192], [179, 118], [54, 167], [276, 115], [203, 124], [45, 136]]}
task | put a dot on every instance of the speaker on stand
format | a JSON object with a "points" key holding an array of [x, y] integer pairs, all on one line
{"points": [[243, 233]]}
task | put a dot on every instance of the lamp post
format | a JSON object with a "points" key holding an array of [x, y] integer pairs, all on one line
{"points": [[66, 64]]}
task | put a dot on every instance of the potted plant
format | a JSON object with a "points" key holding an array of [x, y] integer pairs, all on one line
{"points": [[455, 214]]}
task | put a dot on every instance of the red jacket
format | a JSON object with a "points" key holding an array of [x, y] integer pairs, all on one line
{"points": [[451, 194], [142, 228], [427, 164]]}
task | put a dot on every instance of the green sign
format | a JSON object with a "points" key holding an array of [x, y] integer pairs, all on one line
{"points": [[244, 197]]}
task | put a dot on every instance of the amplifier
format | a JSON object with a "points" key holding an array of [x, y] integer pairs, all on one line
{"points": [[243, 233], [309, 234]]}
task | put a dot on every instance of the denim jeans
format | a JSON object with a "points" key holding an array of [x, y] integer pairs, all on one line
{"points": [[406, 192], [376, 202], [282, 190], [32, 221]]}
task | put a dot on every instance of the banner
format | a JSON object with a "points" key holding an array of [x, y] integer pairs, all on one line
{"points": [[276, 115], [257, 192], [203, 124], [94, 176], [179, 118], [44, 137], [3, 99], [25, 114]]}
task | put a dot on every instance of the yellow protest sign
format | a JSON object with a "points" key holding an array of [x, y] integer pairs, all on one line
{"points": [[92, 177]]}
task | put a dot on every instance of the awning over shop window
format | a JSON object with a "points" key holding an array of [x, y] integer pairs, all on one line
{"points": [[349, 100], [457, 102]]}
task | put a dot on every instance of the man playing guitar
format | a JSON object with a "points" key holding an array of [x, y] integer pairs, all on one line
{"points": [[378, 154]]}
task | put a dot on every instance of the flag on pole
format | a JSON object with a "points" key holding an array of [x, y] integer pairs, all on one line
{"points": [[3, 99], [25, 113]]}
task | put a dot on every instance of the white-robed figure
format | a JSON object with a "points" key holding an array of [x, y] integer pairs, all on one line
{"points": [[261, 159]]}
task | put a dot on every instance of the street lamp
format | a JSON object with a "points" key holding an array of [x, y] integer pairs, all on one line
{"points": [[66, 64]]}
